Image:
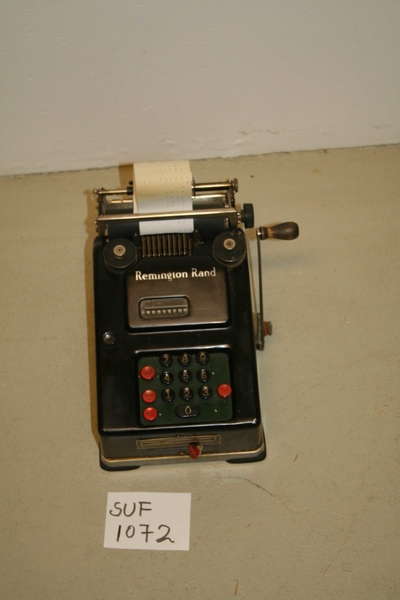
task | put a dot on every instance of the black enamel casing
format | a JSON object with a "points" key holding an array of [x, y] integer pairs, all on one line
{"points": [[121, 341]]}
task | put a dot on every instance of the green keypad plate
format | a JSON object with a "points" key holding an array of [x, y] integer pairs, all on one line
{"points": [[185, 388]]}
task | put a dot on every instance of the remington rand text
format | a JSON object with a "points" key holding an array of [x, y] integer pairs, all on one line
{"points": [[139, 276]]}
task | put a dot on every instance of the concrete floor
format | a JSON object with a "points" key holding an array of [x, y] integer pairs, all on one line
{"points": [[319, 519]]}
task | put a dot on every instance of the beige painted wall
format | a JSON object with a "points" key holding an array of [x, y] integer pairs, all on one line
{"points": [[98, 83]]}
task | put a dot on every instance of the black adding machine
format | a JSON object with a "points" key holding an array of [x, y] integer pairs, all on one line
{"points": [[176, 337]]}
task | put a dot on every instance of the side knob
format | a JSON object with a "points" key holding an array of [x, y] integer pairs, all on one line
{"points": [[248, 216]]}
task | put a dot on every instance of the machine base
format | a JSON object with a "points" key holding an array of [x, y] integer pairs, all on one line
{"points": [[123, 464]]}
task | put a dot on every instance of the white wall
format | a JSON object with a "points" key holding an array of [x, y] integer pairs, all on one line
{"points": [[90, 83]]}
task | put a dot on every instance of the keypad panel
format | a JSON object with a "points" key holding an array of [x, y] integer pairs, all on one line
{"points": [[186, 387]]}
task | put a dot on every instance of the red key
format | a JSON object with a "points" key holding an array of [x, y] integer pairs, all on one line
{"points": [[224, 390], [150, 413], [147, 372], [149, 396]]}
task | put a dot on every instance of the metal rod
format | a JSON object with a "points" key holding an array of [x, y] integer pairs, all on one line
{"points": [[206, 196], [260, 313], [229, 213], [196, 187], [129, 202], [219, 185], [203, 195], [196, 199], [101, 192]]}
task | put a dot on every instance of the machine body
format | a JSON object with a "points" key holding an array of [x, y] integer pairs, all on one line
{"points": [[175, 339]]}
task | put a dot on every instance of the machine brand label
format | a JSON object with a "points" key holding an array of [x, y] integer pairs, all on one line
{"points": [[170, 275]]}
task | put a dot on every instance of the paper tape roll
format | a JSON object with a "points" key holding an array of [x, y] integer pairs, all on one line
{"points": [[164, 186]]}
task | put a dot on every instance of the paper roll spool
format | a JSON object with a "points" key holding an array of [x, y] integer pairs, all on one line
{"points": [[163, 186]]}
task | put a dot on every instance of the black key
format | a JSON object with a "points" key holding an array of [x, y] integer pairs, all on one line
{"points": [[168, 395], [186, 393], [166, 360], [166, 377], [205, 392], [203, 375], [185, 359], [185, 375], [187, 410], [202, 357]]}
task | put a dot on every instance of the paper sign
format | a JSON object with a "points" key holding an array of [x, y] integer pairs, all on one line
{"points": [[147, 521]]}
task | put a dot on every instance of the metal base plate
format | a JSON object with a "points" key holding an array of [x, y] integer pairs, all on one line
{"points": [[111, 464]]}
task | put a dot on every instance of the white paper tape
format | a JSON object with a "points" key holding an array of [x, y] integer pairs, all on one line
{"points": [[163, 186]]}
